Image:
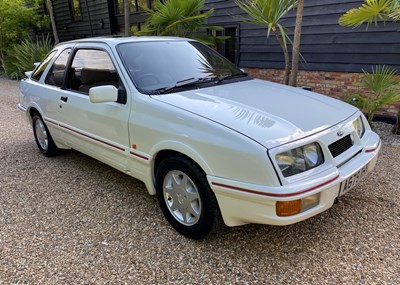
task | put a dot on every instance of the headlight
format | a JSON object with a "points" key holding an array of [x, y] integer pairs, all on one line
{"points": [[300, 159], [359, 127]]}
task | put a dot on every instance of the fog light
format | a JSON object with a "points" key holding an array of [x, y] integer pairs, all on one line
{"points": [[288, 208]]}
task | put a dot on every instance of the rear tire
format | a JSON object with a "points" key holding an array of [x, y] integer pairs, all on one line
{"points": [[186, 198], [43, 138]]}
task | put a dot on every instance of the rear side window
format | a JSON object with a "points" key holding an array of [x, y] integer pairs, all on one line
{"points": [[91, 68], [42, 66], [56, 73]]}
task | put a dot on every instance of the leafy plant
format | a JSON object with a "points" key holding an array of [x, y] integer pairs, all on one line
{"points": [[371, 11], [21, 57], [395, 10], [15, 19], [269, 13], [179, 18], [382, 89]]}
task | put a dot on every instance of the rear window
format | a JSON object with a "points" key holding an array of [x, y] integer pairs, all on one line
{"points": [[55, 76], [42, 66]]}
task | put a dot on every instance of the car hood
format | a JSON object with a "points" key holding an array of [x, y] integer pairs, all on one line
{"points": [[269, 113]]}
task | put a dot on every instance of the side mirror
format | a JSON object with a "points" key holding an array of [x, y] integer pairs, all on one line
{"points": [[102, 94]]}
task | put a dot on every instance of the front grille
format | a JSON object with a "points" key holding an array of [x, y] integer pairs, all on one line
{"points": [[340, 146]]}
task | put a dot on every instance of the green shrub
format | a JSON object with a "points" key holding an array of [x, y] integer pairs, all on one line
{"points": [[20, 57], [382, 89], [16, 18]]}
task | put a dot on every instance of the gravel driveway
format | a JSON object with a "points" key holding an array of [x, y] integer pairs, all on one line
{"points": [[74, 220]]}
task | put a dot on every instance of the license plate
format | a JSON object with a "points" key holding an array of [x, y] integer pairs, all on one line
{"points": [[352, 181]]}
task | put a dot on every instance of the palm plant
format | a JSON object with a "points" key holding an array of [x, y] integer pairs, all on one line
{"points": [[269, 13], [371, 12], [382, 89], [179, 18], [395, 10]]}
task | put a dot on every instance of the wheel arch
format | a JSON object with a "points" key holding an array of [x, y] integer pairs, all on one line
{"points": [[168, 149], [31, 111]]}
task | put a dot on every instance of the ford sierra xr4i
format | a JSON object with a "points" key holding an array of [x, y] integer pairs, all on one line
{"points": [[215, 145]]}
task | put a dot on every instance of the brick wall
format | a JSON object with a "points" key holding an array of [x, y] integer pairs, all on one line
{"points": [[334, 84]]}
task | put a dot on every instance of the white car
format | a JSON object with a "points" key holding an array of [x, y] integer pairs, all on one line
{"points": [[213, 144]]}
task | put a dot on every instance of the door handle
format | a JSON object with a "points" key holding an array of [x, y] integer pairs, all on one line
{"points": [[64, 98]]}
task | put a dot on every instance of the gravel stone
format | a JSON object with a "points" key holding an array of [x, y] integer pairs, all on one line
{"points": [[385, 131], [74, 220]]}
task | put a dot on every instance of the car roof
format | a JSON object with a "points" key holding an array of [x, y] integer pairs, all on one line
{"points": [[115, 40]]}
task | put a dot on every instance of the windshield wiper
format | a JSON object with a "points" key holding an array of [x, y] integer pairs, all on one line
{"points": [[194, 81], [243, 74], [185, 82]]}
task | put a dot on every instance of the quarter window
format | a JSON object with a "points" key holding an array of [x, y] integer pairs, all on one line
{"points": [[91, 68], [56, 73], [42, 66]]}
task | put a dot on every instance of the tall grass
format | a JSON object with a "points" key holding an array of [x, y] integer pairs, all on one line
{"points": [[20, 58]]}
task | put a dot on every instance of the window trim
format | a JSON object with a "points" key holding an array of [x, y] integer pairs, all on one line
{"points": [[55, 51]]}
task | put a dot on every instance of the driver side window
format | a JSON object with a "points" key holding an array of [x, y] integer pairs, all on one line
{"points": [[92, 68]]}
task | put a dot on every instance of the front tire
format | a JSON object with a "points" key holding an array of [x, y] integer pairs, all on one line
{"points": [[186, 199], [43, 138]]}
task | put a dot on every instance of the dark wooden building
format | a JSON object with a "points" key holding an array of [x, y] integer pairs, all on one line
{"points": [[325, 45]]}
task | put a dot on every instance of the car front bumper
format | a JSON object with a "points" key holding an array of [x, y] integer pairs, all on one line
{"points": [[244, 203]]}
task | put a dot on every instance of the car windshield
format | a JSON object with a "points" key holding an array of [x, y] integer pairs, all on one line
{"points": [[165, 65]]}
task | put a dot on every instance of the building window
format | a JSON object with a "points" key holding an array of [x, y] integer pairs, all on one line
{"points": [[134, 6], [153, 3], [142, 3], [229, 47], [75, 9], [119, 6]]}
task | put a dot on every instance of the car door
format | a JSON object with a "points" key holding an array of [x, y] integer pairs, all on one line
{"points": [[46, 91], [97, 129]]}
